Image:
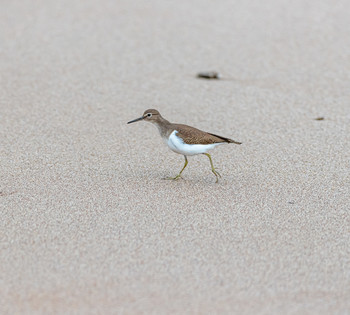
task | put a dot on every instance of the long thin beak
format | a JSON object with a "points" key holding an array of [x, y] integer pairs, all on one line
{"points": [[135, 120]]}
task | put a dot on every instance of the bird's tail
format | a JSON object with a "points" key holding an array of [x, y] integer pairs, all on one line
{"points": [[226, 139], [233, 141]]}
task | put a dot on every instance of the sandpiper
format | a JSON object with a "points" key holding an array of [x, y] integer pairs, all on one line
{"points": [[183, 139]]}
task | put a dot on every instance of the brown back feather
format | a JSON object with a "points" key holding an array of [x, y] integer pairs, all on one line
{"points": [[191, 135]]}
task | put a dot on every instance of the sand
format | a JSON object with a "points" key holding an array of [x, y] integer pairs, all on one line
{"points": [[88, 226]]}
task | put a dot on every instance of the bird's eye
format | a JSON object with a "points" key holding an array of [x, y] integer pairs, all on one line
{"points": [[149, 115]]}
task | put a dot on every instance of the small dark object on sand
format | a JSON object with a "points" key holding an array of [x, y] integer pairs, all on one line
{"points": [[319, 118], [208, 75], [2, 193]]}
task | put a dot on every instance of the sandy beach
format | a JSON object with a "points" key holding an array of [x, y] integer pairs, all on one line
{"points": [[89, 226]]}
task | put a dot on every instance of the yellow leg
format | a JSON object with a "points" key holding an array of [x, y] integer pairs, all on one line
{"points": [[179, 175], [216, 173]]}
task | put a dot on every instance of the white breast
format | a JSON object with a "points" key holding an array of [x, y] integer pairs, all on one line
{"points": [[177, 145]]}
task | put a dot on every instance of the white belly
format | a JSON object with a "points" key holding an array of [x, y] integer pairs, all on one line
{"points": [[177, 145]]}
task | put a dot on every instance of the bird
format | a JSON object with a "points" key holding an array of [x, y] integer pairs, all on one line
{"points": [[185, 140]]}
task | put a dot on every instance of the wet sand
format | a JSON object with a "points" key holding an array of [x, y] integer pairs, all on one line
{"points": [[88, 226]]}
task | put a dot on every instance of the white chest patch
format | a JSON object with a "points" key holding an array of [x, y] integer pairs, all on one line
{"points": [[177, 145]]}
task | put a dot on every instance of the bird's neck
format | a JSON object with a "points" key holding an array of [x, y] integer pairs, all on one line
{"points": [[164, 127]]}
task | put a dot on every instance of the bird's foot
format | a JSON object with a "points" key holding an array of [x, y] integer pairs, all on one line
{"points": [[217, 174], [177, 177]]}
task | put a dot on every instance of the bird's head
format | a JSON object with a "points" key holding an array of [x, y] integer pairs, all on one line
{"points": [[150, 115]]}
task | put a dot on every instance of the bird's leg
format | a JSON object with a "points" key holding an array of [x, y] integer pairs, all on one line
{"points": [[216, 173], [179, 175]]}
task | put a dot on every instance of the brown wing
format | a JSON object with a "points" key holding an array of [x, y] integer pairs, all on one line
{"points": [[191, 135]]}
